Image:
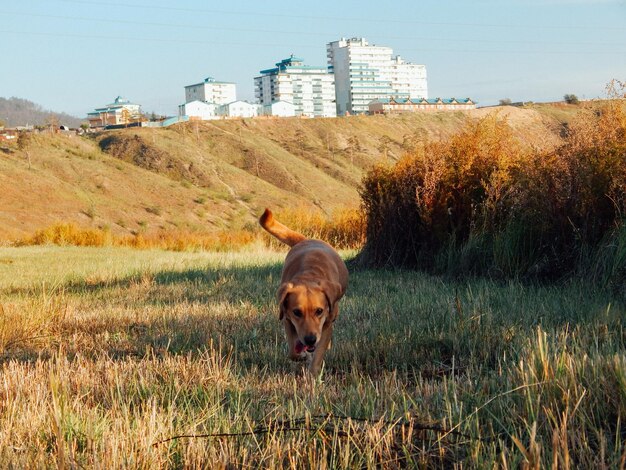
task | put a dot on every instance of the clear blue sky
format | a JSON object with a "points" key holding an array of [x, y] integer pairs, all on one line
{"points": [[75, 55]]}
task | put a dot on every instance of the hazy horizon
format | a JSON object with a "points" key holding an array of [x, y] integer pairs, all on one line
{"points": [[74, 55]]}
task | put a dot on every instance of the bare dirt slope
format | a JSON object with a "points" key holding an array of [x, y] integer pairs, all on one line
{"points": [[220, 174]]}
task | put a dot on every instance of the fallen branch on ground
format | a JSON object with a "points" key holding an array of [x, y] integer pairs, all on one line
{"points": [[325, 424]]}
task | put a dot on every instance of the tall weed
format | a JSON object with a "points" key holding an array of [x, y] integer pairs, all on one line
{"points": [[482, 203]]}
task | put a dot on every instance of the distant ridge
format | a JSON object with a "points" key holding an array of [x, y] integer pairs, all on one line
{"points": [[20, 112]]}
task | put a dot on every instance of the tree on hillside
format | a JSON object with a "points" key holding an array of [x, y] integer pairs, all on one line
{"points": [[24, 141], [330, 147], [616, 90], [52, 122], [383, 147], [571, 99], [410, 142], [300, 138], [252, 161], [353, 147], [505, 102]]}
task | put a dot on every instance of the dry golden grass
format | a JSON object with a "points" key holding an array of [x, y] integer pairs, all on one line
{"points": [[345, 230], [109, 353]]}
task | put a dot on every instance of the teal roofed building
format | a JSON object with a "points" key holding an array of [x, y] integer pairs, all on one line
{"points": [[120, 112], [404, 105], [311, 89]]}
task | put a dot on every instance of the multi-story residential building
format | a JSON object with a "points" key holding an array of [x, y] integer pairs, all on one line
{"points": [[120, 112], [365, 72], [408, 80], [309, 88], [211, 91]]}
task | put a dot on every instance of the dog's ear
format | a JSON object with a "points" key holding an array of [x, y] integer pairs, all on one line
{"points": [[283, 292], [333, 292]]}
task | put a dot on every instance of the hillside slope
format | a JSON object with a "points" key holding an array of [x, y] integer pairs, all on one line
{"points": [[220, 174]]}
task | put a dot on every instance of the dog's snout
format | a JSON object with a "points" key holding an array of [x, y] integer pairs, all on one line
{"points": [[310, 340]]}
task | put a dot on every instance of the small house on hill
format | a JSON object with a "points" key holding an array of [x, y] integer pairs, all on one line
{"points": [[239, 109], [199, 110]]}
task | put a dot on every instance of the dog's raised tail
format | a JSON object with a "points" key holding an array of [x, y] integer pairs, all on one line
{"points": [[280, 231]]}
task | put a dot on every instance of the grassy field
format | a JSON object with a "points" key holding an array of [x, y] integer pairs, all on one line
{"points": [[109, 352]]}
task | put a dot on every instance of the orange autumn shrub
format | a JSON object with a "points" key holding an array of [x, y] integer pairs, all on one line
{"points": [[482, 203]]}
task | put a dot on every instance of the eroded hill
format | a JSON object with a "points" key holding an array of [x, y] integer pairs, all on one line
{"points": [[220, 174]]}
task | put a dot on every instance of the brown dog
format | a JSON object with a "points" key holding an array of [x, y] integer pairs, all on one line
{"points": [[314, 279]]}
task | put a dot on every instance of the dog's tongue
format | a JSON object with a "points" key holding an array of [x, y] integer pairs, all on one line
{"points": [[301, 347]]}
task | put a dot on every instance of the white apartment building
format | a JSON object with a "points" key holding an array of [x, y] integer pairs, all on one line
{"points": [[211, 91], [364, 73], [408, 80], [278, 109], [199, 110], [310, 89], [241, 109]]}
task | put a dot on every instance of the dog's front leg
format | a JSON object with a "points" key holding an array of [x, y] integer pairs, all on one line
{"points": [[320, 350]]}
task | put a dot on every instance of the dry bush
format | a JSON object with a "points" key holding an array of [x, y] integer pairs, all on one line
{"points": [[429, 199], [183, 241], [481, 203], [74, 235], [68, 234], [346, 229]]}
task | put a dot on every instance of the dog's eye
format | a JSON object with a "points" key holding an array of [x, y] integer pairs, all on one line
{"points": [[297, 313], [319, 311]]}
